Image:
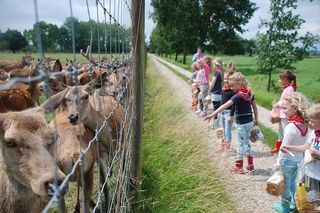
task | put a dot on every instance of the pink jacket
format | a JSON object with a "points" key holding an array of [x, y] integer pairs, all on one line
{"points": [[286, 92]]}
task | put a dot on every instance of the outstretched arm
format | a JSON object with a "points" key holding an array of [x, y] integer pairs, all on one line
{"points": [[220, 109], [255, 111]]}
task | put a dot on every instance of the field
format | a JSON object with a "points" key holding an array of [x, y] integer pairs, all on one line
{"points": [[307, 71], [175, 174]]}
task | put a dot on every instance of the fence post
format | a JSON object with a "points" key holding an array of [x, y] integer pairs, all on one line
{"points": [[138, 48]]}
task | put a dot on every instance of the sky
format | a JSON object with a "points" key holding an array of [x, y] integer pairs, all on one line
{"points": [[20, 14]]}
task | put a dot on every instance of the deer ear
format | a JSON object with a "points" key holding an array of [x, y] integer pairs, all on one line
{"points": [[54, 101]]}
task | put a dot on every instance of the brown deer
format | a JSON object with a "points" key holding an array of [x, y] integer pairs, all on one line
{"points": [[79, 104], [73, 139], [28, 171], [10, 65]]}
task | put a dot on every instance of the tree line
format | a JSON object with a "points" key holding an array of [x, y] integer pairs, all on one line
{"points": [[112, 37], [183, 25]]}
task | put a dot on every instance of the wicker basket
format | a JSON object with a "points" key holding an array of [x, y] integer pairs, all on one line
{"points": [[275, 184]]}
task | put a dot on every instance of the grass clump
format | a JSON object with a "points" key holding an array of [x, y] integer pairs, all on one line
{"points": [[176, 172]]}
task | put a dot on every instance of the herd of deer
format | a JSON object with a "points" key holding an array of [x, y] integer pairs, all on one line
{"points": [[36, 156]]}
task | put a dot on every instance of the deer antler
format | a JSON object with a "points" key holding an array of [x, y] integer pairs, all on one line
{"points": [[88, 55]]}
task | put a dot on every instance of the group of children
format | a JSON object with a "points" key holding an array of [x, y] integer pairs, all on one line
{"points": [[230, 94]]}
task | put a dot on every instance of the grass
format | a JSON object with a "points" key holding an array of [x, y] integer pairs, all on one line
{"points": [[269, 135], [307, 72], [175, 170]]}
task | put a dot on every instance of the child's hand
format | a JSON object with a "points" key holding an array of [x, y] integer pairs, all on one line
{"points": [[230, 119], [314, 154], [208, 118]]}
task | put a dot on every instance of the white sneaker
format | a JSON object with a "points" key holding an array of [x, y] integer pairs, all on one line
{"points": [[198, 111]]}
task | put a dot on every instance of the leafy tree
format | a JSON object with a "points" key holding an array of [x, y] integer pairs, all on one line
{"points": [[220, 20], [179, 23], [13, 40], [281, 46]]}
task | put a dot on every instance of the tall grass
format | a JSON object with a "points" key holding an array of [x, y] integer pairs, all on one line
{"points": [[307, 71], [176, 173]]}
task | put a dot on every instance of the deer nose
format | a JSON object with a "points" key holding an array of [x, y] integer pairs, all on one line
{"points": [[52, 186], [73, 118]]}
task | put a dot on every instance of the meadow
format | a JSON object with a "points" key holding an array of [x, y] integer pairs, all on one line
{"points": [[307, 72], [175, 174]]}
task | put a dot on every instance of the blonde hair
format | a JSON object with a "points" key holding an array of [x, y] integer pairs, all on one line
{"points": [[194, 65], [314, 111], [208, 60], [300, 102], [218, 61], [239, 78], [231, 66]]}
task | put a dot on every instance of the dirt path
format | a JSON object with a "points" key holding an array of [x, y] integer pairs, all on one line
{"points": [[247, 191]]}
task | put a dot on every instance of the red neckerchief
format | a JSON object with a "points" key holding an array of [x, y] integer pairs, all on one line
{"points": [[299, 123], [245, 94], [290, 84], [226, 87]]}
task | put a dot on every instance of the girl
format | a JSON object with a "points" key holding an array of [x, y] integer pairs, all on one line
{"points": [[295, 134], [215, 89], [312, 169], [243, 102], [227, 94], [203, 79], [288, 81], [195, 87]]}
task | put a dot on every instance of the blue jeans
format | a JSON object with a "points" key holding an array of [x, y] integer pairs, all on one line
{"points": [[290, 171], [226, 125], [243, 146]]}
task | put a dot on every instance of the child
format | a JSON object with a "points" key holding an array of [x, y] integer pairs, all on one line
{"points": [[202, 80], [243, 101], [227, 94], [312, 169], [195, 87], [288, 81], [295, 134], [231, 66], [215, 88]]}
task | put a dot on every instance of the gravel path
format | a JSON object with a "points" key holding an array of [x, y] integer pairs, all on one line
{"points": [[246, 191]]}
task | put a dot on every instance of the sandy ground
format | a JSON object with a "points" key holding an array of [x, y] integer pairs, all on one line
{"points": [[247, 191]]}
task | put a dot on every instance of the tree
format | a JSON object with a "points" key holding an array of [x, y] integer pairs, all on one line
{"points": [[178, 24], [221, 20], [281, 46], [13, 40]]}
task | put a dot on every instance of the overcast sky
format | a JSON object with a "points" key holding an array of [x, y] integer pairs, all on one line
{"points": [[20, 14]]}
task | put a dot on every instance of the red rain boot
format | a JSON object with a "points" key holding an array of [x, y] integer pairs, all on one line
{"points": [[238, 168], [277, 146], [250, 166]]}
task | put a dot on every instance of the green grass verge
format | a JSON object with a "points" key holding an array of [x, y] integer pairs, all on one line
{"points": [[176, 173], [183, 77], [269, 135]]}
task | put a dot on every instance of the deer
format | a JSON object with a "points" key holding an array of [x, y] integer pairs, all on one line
{"points": [[73, 139], [28, 172], [91, 114], [10, 65]]}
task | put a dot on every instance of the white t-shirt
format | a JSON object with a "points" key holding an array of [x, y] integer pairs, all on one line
{"points": [[292, 136], [312, 169]]}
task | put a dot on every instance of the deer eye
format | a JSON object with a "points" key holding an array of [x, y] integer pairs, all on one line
{"points": [[11, 143]]}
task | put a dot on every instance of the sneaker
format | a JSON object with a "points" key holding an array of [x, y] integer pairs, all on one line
{"points": [[197, 111], [278, 207]]}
